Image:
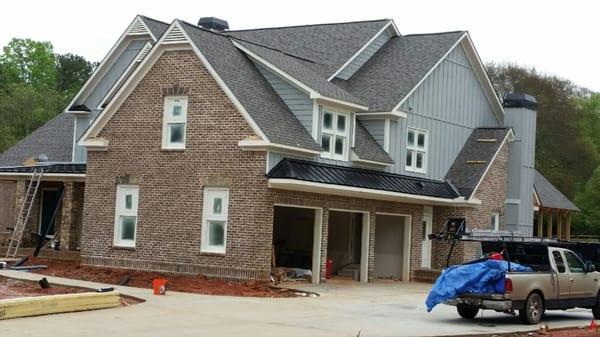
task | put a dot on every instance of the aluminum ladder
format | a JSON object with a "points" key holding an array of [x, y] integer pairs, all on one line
{"points": [[24, 213]]}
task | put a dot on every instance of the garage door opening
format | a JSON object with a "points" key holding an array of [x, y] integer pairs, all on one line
{"points": [[347, 244], [296, 242], [392, 247]]}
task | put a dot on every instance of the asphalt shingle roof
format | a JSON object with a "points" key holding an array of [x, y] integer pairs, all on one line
{"points": [[397, 68], [367, 147], [54, 139], [549, 195], [362, 178], [329, 46], [156, 27], [474, 158]]}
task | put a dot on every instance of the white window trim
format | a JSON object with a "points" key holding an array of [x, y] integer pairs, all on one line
{"points": [[120, 211], [424, 150], [209, 193], [166, 145], [333, 132], [496, 216]]}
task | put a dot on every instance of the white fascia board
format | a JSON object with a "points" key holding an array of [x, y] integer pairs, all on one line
{"points": [[366, 193], [313, 94], [391, 115], [390, 23], [260, 145], [94, 144], [46, 176], [141, 70], [397, 107], [102, 67], [508, 136]]}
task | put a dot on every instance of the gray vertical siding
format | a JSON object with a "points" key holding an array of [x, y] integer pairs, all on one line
{"points": [[449, 104], [113, 74], [81, 124], [365, 55], [298, 102], [376, 128]]}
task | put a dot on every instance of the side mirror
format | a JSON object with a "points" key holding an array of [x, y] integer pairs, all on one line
{"points": [[589, 267]]}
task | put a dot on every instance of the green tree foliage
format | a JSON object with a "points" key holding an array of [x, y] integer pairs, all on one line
{"points": [[565, 152], [588, 220], [35, 86]]}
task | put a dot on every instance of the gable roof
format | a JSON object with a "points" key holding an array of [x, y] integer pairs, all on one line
{"points": [[475, 158], [328, 46], [398, 67], [54, 139], [549, 196], [156, 27]]}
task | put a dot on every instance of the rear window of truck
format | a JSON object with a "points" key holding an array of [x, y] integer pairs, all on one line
{"points": [[560, 264]]}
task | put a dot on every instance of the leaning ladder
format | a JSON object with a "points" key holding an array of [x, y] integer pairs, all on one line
{"points": [[24, 213]]}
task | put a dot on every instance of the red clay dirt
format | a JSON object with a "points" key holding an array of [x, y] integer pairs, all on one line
{"points": [[10, 288], [143, 279]]}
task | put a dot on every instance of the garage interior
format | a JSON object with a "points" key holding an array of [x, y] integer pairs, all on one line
{"points": [[344, 244], [392, 246], [293, 241]]}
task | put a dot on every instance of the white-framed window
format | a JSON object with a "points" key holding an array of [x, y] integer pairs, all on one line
{"points": [[495, 221], [126, 215], [214, 220], [335, 134], [174, 122], [416, 150]]}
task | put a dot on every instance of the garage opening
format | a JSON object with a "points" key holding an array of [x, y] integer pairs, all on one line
{"points": [[392, 247], [346, 245], [296, 242]]}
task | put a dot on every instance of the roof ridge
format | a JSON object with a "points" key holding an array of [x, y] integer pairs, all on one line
{"points": [[152, 19], [309, 25], [437, 33]]}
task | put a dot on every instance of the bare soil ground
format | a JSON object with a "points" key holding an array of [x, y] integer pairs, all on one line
{"points": [[143, 279], [10, 288]]}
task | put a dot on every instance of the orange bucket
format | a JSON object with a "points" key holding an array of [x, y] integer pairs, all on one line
{"points": [[160, 286]]}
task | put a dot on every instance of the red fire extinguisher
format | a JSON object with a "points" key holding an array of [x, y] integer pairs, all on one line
{"points": [[328, 268]]}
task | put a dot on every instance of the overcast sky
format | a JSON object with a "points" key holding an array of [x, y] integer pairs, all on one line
{"points": [[557, 37]]}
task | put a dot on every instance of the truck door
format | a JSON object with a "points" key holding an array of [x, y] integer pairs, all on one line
{"points": [[582, 284], [562, 276]]}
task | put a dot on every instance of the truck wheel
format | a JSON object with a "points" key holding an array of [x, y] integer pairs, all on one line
{"points": [[467, 311], [533, 310], [596, 308]]}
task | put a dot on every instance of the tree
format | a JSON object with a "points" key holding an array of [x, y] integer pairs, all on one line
{"points": [[587, 221], [73, 71], [29, 62]]}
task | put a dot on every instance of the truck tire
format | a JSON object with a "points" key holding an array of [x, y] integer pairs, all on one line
{"points": [[596, 308], [467, 311], [533, 310]]}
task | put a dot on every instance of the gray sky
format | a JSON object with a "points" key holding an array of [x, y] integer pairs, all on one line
{"points": [[556, 37]]}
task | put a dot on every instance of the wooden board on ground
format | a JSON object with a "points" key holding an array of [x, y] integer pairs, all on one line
{"points": [[9, 259], [54, 304]]}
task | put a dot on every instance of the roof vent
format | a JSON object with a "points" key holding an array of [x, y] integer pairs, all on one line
{"points": [[214, 24]]}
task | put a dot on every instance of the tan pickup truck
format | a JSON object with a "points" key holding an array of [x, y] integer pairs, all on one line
{"points": [[566, 282]]}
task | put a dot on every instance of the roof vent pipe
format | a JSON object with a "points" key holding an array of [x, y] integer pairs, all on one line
{"points": [[214, 24]]}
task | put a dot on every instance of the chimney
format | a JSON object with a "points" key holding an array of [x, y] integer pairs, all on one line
{"points": [[214, 24], [520, 115]]}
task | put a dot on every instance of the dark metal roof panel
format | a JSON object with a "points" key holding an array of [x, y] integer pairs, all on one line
{"points": [[361, 178], [66, 168]]}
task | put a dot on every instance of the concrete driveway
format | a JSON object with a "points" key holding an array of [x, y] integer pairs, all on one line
{"points": [[376, 309]]}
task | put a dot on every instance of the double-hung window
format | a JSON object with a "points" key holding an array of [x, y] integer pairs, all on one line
{"points": [[495, 221], [214, 220], [416, 150], [126, 215], [174, 122], [335, 134]]}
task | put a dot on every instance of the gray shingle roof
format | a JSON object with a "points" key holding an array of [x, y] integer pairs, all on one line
{"points": [[397, 68], [156, 27], [367, 147], [329, 46], [298, 70], [549, 195], [253, 91], [474, 158], [54, 139]]}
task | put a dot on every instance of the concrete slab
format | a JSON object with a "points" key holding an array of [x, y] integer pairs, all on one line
{"points": [[343, 309]]}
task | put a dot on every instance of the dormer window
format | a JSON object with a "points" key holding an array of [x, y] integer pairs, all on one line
{"points": [[416, 150], [335, 133], [174, 123]]}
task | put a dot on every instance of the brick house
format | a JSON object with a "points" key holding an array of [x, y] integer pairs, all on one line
{"points": [[198, 149]]}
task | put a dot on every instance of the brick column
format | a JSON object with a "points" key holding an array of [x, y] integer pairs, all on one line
{"points": [[371, 259], [66, 218], [324, 239]]}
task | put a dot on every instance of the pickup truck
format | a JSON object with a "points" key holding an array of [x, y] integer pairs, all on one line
{"points": [[560, 281]]}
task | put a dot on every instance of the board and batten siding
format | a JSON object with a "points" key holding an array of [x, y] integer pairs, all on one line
{"points": [[364, 56], [297, 101], [449, 104]]}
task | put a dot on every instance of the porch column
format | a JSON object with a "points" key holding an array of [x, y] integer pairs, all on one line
{"points": [[568, 227], [324, 239], [66, 218], [550, 215], [540, 225], [559, 223]]}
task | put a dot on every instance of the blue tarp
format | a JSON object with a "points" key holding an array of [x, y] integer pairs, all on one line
{"points": [[485, 277]]}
